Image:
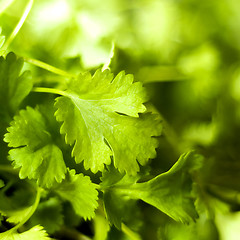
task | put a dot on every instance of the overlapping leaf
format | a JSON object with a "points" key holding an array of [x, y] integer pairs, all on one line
{"points": [[16, 216], [49, 215], [100, 117], [14, 87], [36, 233], [17, 205], [170, 192], [34, 150], [80, 192]]}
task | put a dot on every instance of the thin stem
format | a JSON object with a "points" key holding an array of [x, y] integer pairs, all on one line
{"points": [[111, 55], [8, 168], [132, 235], [33, 209], [49, 90], [19, 25], [49, 67]]}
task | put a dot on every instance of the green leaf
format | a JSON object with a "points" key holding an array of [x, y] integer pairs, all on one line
{"points": [[120, 209], [80, 192], [171, 192], [35, 151], [100, 117], [18, 215], [178, 231], [110, 176], [36, 233], [49, 215], [13, 86]]}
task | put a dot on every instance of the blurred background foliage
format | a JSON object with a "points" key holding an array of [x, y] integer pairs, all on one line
{"points": [[187, 53]]}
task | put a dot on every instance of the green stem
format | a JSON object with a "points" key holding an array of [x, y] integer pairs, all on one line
{"points": [[111, 55], [49, 90], [19, 25], [8, 168], [33, 209], [132, 235], [49, 67]]}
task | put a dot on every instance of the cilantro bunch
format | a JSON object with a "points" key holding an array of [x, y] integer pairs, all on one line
{"points": [[76, 152], [99, 122]]}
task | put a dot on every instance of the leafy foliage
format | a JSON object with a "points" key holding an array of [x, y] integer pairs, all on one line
{"points": [[36, 232], [177, 203], [80, 192], [35, 152], [13, 86], [49, 215], [102, 163], [92, 119]]}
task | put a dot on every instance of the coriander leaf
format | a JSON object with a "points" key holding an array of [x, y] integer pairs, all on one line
{"points": [[178, 231], [13, 86], [120, 209], [110, 176], [171, 192], [34, 150], [16, 216], [16, 194], [100, 117], [36, 233], [16, 199], [80, 192], [115, 207], [49, 215]]}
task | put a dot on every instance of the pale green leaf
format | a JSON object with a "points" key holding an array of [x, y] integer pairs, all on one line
{"points": [[13, 86], [34, 149], [100, 117], [80, 192], [35, 233]]}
